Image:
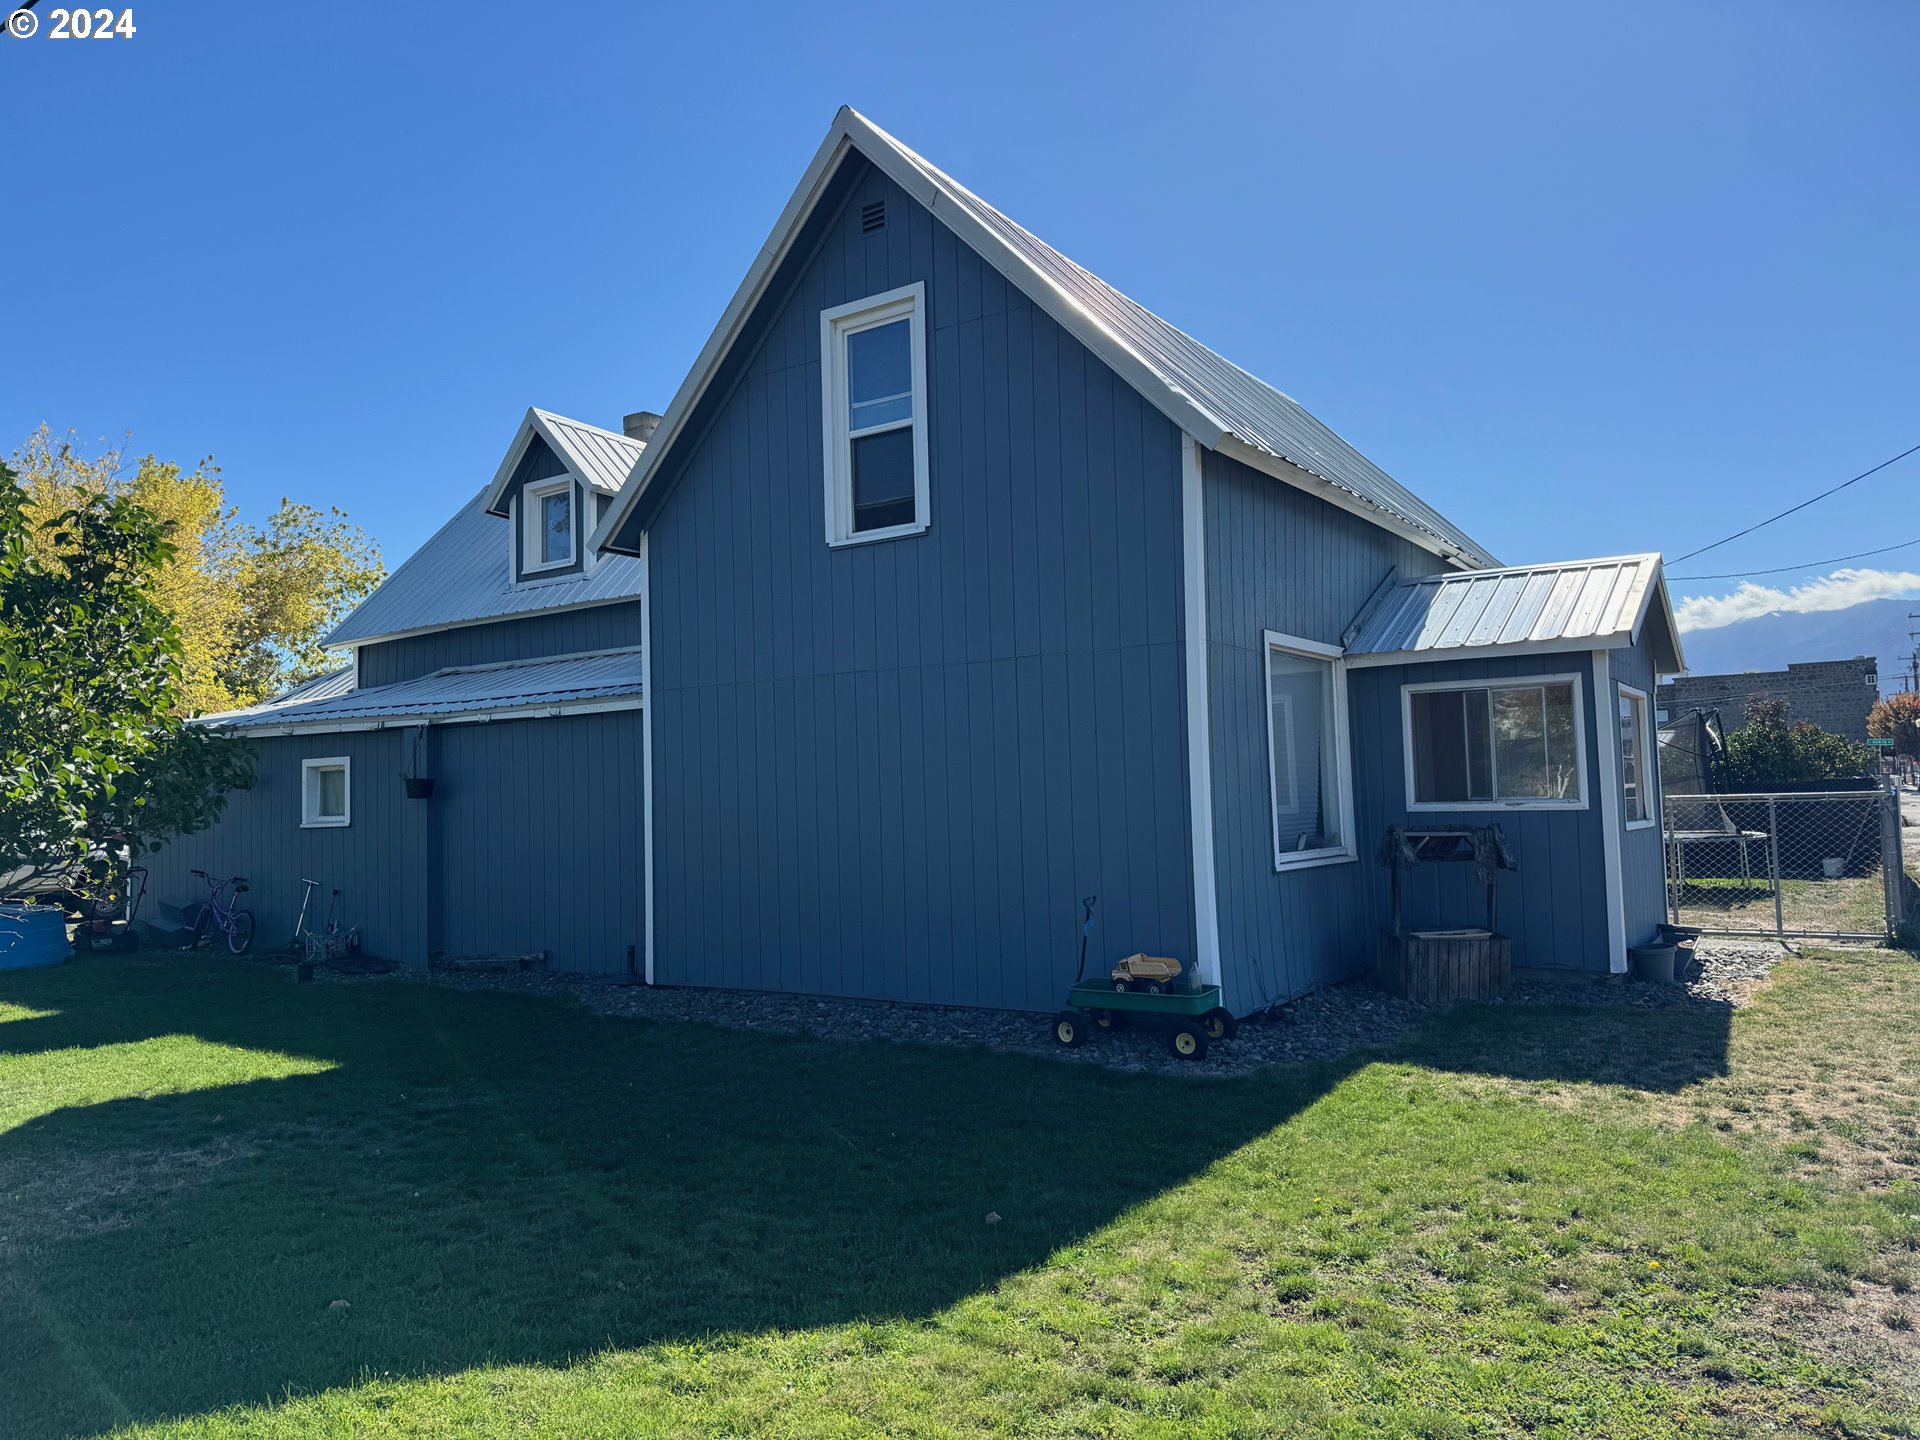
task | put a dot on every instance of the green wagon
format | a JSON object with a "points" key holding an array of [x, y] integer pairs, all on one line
{"points": [[1192, 1016]]}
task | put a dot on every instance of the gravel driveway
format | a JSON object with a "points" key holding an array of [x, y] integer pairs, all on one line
{"points": [[1321, 1026]]}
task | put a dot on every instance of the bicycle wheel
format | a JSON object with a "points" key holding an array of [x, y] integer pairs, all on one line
{"points": [[240, 937]]}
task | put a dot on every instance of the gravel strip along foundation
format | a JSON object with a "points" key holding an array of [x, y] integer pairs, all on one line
{"points": [[1321, 1026]]}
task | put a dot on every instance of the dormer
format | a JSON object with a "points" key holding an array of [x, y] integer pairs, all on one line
{"points": [[554, 485]]}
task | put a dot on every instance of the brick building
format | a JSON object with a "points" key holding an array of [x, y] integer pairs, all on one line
{"points": [[1834, 694]]}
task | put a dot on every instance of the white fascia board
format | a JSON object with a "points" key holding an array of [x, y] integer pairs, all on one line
{"points": [[1284, 470], [499, 616], [1580, 644], [533, 711]]}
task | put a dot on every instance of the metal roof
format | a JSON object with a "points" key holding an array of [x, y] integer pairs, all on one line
{"points": [[462, 575], [1214, 400], [537, 686], [1577, 605], [602, 458]]}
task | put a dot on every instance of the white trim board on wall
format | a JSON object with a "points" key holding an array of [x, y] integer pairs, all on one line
{"points": [[1607, 746], [1206, 895]]}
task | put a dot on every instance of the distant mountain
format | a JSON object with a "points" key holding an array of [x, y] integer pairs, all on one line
{"points": [[1768, 642]]}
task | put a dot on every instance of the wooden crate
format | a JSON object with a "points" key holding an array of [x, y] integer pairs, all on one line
{"points": [[1431, 967]]}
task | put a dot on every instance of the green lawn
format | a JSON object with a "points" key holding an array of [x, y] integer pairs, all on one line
{"points": [[234, 1206]]}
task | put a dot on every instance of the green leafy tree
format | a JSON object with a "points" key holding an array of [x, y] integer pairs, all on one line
{"points": [[93, 747], [1769, 751], [1897, 718], [251, 603]]}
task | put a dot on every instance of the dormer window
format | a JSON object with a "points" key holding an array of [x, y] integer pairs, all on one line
{"points": [[552, 539]]}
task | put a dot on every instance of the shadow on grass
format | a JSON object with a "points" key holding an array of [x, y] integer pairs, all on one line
{"points": [[492, 1178]]}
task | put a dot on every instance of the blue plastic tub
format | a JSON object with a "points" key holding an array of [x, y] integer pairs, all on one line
{"points": [[32, 935]]}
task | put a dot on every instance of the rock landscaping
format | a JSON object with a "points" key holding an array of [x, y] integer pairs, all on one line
{"points": [[1323, 1025]]}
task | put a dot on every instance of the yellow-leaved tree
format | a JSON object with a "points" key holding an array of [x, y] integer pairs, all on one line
{"points": [[252, 602]]}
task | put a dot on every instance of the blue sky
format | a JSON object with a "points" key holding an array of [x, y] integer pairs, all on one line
{"points": [[1589, 277]]}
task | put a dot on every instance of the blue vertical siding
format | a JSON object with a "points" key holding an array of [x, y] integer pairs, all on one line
{"points": [[1643, 857], [377, 862], [1555, 905], [1280, 559], [562, 632], [891, 769], [528, 843]]}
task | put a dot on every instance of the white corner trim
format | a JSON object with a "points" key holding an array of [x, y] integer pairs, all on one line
{"points": [[1607, 744], [1206, 897], [646, 745]]}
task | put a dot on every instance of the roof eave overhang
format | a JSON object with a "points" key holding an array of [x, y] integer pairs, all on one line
{"points": [[1301, 478], [1669, 627], [537, 710], [1566, 645]]}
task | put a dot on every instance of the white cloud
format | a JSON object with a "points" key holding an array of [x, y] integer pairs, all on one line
{"points": [[1830, 592]]}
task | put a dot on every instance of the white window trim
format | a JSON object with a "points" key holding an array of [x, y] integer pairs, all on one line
{"points": [[1344, 852], [1649, 765], [531, 533], [310, 819], [836, 324], [1497, 682]]}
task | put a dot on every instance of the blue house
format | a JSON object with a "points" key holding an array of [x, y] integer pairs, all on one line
{"points": [[951, 586]]}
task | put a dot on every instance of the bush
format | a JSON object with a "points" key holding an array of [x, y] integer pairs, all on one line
{"points": [[1767, 752]]}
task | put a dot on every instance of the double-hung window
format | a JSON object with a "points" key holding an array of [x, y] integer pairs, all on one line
{"points": [[1310, 788], [1637, 763], [874, 388], [326, 795], [550, 537], [1495, 745]]}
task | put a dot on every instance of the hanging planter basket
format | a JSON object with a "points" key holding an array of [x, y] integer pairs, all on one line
{"points": [[419, 787]]}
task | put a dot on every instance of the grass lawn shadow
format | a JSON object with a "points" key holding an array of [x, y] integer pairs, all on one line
{"points": [[479, 1177]]}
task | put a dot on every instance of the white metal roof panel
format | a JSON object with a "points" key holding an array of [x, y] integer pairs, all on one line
{"points": [[1593, 604], [463, 575], [534, 685], [602, 458]]}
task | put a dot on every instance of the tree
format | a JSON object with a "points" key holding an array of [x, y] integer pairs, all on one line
{"points": [[93, 746], [1897, 718], [251, 603], [1768, 752]]}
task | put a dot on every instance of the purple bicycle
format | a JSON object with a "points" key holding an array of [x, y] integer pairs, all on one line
{"points": [[221, 911]]}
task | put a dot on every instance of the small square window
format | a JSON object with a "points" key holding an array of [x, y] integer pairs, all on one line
{"points": [[326, 792], [874, 393]]}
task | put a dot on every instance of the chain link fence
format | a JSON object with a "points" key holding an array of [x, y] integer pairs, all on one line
{"points": [[1821, 865]]}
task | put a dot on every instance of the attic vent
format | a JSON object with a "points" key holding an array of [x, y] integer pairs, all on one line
{"points": [[873, 216]]}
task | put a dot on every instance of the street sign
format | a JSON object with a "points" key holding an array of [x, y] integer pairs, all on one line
{"points": [[1885, 742]]}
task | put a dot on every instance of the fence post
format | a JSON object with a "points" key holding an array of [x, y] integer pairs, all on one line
{"points": [[1892, 864], [1773, 864]]}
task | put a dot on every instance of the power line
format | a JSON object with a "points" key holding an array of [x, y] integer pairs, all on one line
{"points": [[1801, 506], [1783, 569]]}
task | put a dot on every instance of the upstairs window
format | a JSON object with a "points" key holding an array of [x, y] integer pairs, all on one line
{"points": [[550, 540], [1507, 745], [873, 370]]}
